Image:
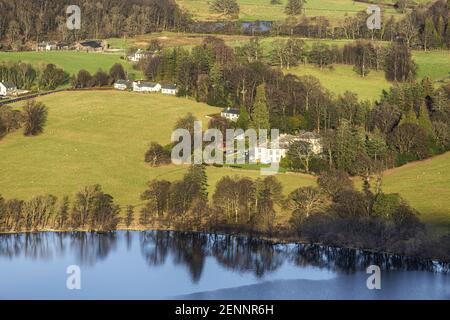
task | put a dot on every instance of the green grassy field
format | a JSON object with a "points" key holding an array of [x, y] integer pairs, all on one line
{"points": [[188, 40], [435, 64], [426, 186], [342, 78], [172, 39], [101, 137], [250, 10], [70, 61]]}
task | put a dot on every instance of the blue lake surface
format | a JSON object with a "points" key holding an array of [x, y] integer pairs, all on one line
{"points": [[171, 265]]}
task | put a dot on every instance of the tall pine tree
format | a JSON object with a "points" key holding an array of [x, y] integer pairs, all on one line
{"points": [[424, 119], [260, 113], [243, 120]]}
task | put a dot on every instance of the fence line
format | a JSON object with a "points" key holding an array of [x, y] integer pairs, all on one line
{"points": [[31, 96]]}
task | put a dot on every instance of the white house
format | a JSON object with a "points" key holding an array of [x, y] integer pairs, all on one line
{"points": [[47, 46], [141, 86], [138, 55], [264, 153], [230, 114], [122, 84], [50, 46], [7, 88], [169, 89], [313, 139]]}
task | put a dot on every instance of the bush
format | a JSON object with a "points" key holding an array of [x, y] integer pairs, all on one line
{"points": [[35, 117], [157, 155]]}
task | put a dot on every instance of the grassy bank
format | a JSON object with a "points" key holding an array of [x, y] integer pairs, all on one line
{"points": [[425, 184], [70, 61], [101, 137]]}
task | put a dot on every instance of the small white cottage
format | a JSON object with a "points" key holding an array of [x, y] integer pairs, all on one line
{"points": [[169, 89], [7, 88], [122, 85], [230, 114], [138, 55], [142, 86]]}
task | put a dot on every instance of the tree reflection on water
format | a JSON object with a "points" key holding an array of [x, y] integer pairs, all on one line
{"points": [[190, 250]]}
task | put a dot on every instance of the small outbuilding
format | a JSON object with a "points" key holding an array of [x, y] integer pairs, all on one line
{"points": [[169, 89], [230, 114], [7, 88], [122, 85]]}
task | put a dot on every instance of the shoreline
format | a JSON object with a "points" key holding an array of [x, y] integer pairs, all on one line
{"points": [[272, 239]]}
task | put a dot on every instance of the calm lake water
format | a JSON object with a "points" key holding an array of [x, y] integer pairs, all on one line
{"points": [[170, 265]]}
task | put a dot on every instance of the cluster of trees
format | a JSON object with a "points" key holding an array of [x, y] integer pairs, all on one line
{"points": [[243, 201], [335, 213], [395, 59], [226, 8], [10, 120], [184, 201], [35, 20], [211, 71], [32, 118], [411, 122], [100, 79], [158, 155], [428, 27], [236, 201], [25, 76], [90, 209]]}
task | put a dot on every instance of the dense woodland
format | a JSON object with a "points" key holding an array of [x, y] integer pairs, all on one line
{"points": [[37, 20], [425, 27]]}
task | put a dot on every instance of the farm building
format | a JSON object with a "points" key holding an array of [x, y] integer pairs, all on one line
{"points": [[230, 114], [138, 55], [141, 86], [7, 88], [169, 89], [92, 46], [122, 84], [51, 46]]}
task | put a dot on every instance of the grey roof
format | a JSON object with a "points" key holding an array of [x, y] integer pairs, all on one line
{"points": [[231, 111], [147, 84], [92, 44], [124, 82], [169, 86], [285, 140], [308, 135], [8, 84]]}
